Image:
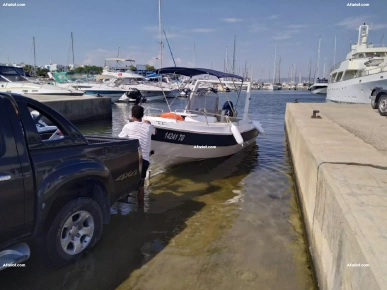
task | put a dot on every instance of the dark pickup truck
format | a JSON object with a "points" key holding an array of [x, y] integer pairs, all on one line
{"points": [[57, 187]]}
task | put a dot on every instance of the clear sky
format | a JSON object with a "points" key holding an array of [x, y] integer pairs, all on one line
{"points": [[101, 27]]}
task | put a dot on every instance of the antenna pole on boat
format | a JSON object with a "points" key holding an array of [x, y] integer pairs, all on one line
{"points": [[233, 59], [161, 40], [72, 48], [382, 41], [33, 40]]}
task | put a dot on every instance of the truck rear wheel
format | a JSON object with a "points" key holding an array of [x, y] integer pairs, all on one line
{"points": [[382, 105], [76, 228]]}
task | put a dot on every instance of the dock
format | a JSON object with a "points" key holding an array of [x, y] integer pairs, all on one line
{"points": [[340, 165], [78, 108]]}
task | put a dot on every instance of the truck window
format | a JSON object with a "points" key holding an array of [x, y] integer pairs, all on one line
{"points": [[47, 128]]}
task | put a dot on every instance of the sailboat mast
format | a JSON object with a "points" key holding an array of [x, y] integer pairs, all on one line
{"points": [[72, 48], [334, 53], [194, 60], [33, 40], [318, 60], [275, 59], [325, 59], [161, 39], [279, 71], [233, 59], [310, 70], [226, 63]]}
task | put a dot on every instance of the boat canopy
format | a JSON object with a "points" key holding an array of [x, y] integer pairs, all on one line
{"points": [[186, 71]]}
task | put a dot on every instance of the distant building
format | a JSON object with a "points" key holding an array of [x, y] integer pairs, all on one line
{"points": [[54, 67]]}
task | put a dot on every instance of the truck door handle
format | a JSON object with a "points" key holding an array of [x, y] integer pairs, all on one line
{"points": [[5, 177]]}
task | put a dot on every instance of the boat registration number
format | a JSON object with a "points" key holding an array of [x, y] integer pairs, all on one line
{"points": [[174, 136]]}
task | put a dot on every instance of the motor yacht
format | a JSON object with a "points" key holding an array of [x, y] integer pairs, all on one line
{"points": [[320, 86], [15, 80], [89, 87], [365, 68]]}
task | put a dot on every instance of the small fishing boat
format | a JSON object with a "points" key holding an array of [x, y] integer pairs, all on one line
{"points": [[202, 130]]}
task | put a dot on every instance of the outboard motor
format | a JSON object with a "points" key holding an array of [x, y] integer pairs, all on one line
{"points": [[228, 108], [136, 94]]}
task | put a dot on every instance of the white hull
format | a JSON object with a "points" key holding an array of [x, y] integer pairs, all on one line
{"points": [[320, 91], [36, 89], [178, 153], [354, 91]]}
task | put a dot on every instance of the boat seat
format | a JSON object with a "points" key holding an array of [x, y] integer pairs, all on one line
{"points": [[201, 118]]}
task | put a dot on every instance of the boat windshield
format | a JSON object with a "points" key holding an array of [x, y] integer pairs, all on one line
{"points": [[125, 81], [11, 74]]}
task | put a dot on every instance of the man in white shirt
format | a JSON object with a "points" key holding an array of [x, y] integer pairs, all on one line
{"points": [[143, 131]]}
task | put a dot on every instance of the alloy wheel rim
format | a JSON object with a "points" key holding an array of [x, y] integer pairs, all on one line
{"points": [[77, 232]]}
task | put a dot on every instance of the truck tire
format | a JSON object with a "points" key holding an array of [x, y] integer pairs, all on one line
{"points": [[382, 105], [374, 105], [76, 228]]}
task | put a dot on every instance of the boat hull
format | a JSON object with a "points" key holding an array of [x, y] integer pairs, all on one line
{"points": [[356, 90], [172, 147], [321, 91]]}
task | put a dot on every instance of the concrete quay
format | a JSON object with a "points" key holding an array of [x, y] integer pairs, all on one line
{"points": [[78, 108], [340, 164]]}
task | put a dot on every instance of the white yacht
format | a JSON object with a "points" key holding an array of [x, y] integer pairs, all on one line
{"points": [[203, 129], [270, 87], [365, 67], [76, 82], [320, 86], [15, 80]]}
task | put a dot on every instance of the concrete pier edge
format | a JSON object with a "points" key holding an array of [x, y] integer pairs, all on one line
{"points": [[301, 212], [340, 182], [78, 109]]}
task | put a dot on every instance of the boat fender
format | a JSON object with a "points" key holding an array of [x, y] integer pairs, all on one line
{"points": [[258, 126], [237, 135]]}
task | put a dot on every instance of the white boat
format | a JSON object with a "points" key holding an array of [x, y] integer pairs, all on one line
{"points": [[270, 87], [319, 86], [365, 67], [150, 92], [89, 88], [202, 130], [15, 80]]}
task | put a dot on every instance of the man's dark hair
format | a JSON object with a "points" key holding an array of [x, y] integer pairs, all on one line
{"points": [[137, 112]]}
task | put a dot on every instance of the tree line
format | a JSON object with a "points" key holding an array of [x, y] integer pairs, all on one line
{"points": [[88, 69]]}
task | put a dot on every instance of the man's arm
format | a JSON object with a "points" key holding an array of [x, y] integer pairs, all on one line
{"points": [[153, 129], [124, 133]]}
